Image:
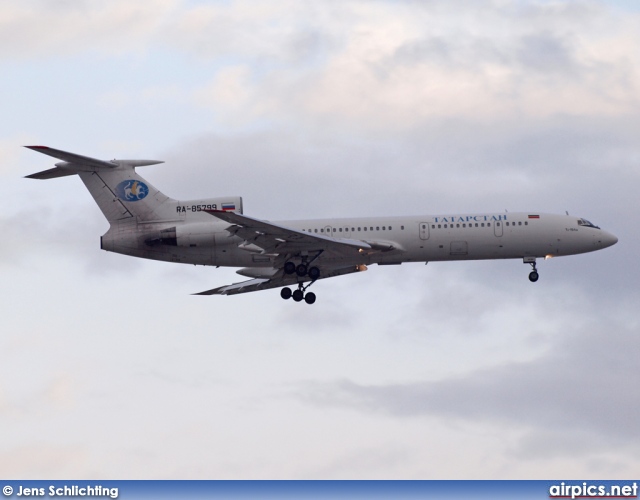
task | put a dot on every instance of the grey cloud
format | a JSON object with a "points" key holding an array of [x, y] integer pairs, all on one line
{"points": [[464, 52], [586, 386], [437, 49], [441, 165], [545, 53]]}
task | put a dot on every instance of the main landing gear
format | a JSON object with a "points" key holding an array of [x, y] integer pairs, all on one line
{"points": [[303, 269], [298, 295], [533, 275]]}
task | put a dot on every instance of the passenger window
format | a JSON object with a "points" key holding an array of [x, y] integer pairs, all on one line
{"points": [[340, 229], [334, 229], [519, 223], [482, 225], [402, 228], [365, 228], [359, 229], [457, 225], [526, 223], [370, 229], [389, 228], [315, 230], [439, 227], [476, 224], [377, 228], [488, 224], [384, 228]]}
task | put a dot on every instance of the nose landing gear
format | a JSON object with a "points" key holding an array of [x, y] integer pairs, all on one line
{"points": [[533, 275]]}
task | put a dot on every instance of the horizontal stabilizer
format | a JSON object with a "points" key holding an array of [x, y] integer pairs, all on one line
{"points": [[73, 158], [52, 173], [74, 163], [137, 163]]}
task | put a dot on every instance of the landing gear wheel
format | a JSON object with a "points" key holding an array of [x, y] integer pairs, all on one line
{"points": [[285, 293], [301, 270], [533, 275], [297, 295], [314, 274], [289, 268], [310, 298]]}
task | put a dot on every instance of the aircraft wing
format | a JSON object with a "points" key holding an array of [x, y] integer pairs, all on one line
{"points": [[279, 280], [274, 238], [287, 243]]}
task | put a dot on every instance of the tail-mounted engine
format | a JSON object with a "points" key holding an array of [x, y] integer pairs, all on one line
{"points": [[188, 235]]}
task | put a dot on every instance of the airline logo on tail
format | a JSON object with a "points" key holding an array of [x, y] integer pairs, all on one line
{"points": [[132, 190]]}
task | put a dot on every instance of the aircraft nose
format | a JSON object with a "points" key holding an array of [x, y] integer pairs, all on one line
{"points": [[607, 239]]}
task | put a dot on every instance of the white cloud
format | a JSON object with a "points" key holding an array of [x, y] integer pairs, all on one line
{"points": [[389, 65], [42, 28]]}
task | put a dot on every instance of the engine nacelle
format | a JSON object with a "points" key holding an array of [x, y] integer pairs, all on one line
{"points": [[200, 234]]}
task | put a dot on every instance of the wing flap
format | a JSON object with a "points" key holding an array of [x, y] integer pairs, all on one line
{"points": [[242, 287], [257, 284]]}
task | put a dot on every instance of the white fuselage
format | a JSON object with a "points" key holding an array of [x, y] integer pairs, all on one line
{"points": [[146, 223], [201, 239]]}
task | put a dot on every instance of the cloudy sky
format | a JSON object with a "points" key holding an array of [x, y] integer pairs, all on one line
{"points": [[111, 369]]}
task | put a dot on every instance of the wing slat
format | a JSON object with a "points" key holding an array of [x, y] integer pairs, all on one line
{"points": [[274, 238]]}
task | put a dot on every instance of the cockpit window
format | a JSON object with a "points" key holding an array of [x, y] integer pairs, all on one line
{"points": [[586, 223]]}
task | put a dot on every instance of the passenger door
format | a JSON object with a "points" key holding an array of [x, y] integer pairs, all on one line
{"points": [[424, 230]]}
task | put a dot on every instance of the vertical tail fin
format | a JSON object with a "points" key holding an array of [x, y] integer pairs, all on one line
{"points": [[115, 186]]}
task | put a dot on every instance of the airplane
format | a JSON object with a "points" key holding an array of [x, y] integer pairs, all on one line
{"points": [[296, 253]]}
